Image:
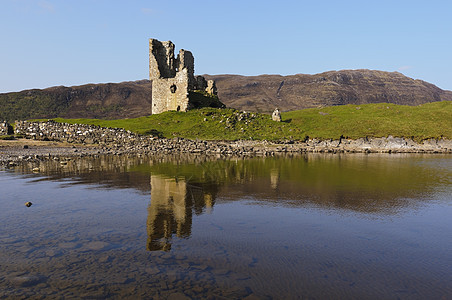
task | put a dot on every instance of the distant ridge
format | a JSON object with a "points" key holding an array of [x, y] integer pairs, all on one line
{"points": [[265, 92], [100, 101], [251, 93]]}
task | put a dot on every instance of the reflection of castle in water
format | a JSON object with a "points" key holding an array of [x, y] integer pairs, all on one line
{"points": [[183, 186], [173, 201]]}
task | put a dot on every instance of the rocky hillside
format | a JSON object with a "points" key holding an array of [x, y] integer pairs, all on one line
{"points": [[251, 93], [265, 92], [104, 101]]}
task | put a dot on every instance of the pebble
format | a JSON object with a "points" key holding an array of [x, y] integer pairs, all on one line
{"points": [[178, 296], [27, 280], [52, 253], [97, 245], [221, 271], [152, 270], [252, 297], [68, 245], [105, 259]]}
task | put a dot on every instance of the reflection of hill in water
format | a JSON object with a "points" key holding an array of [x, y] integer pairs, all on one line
{"points": [[183, 186], [363, 183], [106, 171], [366, 183]]}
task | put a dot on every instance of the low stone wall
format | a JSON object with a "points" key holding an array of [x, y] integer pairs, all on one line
{"points": [[77, 133]]}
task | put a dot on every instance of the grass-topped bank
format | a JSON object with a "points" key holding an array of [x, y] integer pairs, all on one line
{"points": [[432, 120]]}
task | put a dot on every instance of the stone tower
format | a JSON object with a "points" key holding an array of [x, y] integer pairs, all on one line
{"points": [[173, 78]]}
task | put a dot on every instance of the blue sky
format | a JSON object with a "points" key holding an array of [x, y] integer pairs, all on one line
{"points": [[72, 42]]}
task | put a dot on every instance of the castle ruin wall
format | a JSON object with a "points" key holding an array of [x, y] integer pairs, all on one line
{"points": [[173, 77], [170, 93]]}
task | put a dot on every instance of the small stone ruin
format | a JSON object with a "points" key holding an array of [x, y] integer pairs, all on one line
{"points": [[173, 80], [276, 115]]}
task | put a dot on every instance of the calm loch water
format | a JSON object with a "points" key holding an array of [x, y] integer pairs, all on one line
{"points": [[313, 226]]}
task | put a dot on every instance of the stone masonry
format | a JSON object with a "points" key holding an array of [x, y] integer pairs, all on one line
{"points": [[77, 133], [5, 128], [173, 78], [276, 115]]}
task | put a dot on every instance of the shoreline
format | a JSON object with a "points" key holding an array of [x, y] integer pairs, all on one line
{"points": [[13, 152]]}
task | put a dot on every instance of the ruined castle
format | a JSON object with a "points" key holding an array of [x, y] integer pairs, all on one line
{"points": [[174, 86]]}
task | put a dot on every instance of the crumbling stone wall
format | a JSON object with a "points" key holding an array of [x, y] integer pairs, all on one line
{"points": [[76, 133], [173, 78], [5, 128], [170, 93]]}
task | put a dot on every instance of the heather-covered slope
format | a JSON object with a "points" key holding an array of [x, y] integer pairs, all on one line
{"points": [[265, 92], [105, 101], [251, 93]]}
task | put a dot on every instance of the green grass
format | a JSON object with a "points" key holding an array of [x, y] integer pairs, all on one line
{"points": [[205, 123], [7, 137], [432, 120]]}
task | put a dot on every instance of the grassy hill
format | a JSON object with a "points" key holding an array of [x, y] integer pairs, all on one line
{"points": [[104, 101], [431, 120], [265, 92], [251, 93]]}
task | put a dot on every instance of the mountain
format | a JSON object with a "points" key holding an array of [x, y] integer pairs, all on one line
{"points": [[266, 92], [101, 101], [251, 93]]}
